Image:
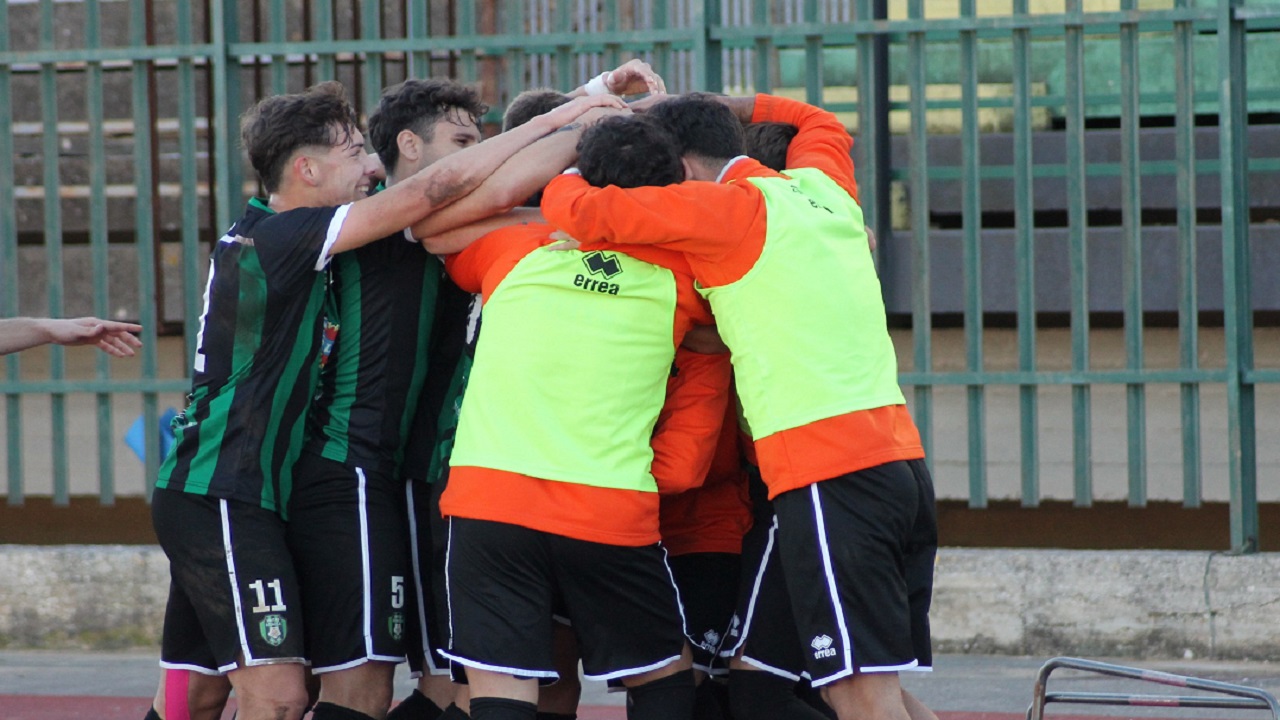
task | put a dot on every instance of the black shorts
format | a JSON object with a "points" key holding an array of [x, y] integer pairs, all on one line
{"points": [[349, 538], [428, 542], [233, 594], [502, 583], [858, 553], [763, 626], [708, 585]]}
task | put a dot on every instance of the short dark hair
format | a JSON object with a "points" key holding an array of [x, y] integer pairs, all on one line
{"points": [[629, 151], [768, 143], [530, 104], [417, 105], [277, 126], [703, 126]]}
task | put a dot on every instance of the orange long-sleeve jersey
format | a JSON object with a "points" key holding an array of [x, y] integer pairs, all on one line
{"points": [[699, 415], [722, 250], [603, 515]]}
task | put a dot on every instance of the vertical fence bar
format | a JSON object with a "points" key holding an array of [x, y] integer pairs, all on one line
{"points": [[1025, 252], [971, 204], [94, 112], [145, 241], [228, 176], [813, 65], [190, 179], [873, 126], [9, 272], [1078, 232], [513, 23], [565, 78], [661, 20], [279, 63], [921, 309], [708, 74], [1131, 219], [1237, 305], [322, 29], [1188, 303], [53, 250], [418, 24], [763, 51], [371, 29]]}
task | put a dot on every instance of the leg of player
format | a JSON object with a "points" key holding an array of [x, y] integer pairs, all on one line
{"points": [[559, 701], [502, 696], [189, 695], [270, 692], [873, 696], [356, 693], [758, 695], [667, 692]]}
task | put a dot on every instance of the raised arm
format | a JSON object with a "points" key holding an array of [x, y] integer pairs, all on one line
{"points": [[453, 177], [523, 174], [113, 338], [821, 141], [458, 239]]}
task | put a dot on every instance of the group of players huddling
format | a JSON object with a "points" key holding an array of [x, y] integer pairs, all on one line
{"points": [[676, 456]]}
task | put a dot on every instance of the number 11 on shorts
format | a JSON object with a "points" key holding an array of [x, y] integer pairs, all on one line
{"points": [[258, 587]]}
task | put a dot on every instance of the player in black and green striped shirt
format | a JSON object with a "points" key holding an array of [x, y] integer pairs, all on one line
{"points": [[223, 492]]}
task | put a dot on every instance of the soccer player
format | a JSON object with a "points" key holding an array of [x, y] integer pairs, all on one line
{"points": [[111, 337], [785, 266], [222, 495], [556, 500]]}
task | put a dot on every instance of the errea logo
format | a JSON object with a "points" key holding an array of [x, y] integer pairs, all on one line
{"points": [[598, 263], [822, 647], [605, 265]]}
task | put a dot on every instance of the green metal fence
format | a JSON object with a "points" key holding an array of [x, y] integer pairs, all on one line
{"points": [[119, 149]]}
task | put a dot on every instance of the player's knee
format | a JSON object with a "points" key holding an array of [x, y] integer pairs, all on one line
{"points": [[756, 695]]}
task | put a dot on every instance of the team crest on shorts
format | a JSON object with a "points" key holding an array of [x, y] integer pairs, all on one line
{"points": [[711, 640], [395, 625], [274, 628]]}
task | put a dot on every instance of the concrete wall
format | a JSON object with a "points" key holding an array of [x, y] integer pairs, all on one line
{"points": [[1140, 604]]}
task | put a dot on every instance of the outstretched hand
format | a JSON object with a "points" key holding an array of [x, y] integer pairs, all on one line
{"points": [[634, 77], [113, 338]]}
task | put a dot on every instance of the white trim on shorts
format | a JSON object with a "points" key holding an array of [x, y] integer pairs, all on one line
{"points": [[428, 661], [755, 593], [225, 514], [518, 672], [684, 621], [223, 670], [765, 667], [632, 671], [366, 583], [824, 550]]}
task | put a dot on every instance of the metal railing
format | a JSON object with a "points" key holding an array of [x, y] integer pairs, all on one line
{"points": [[120, 152]]}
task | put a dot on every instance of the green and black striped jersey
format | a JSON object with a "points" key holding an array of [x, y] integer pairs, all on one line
{"points": [[256, 368], [384, 295], [453, 337]]}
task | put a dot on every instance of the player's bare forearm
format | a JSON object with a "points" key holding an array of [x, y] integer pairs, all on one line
{"points": [[458, 239]]}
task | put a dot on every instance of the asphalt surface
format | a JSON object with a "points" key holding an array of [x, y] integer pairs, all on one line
{"points": [[49, 685]]}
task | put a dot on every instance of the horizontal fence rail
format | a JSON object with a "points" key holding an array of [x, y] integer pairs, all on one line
{"points": [[1091, 183]]}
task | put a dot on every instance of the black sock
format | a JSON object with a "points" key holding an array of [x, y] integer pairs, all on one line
{"points": [[152, 714], [669, 698], [758, 695], [711, 702], [415, 707], [556, 716], [492, 708], [453, 712], [329, 711]]}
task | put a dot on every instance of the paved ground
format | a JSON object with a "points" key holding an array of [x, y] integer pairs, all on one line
{"points": [[38, 685]]}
